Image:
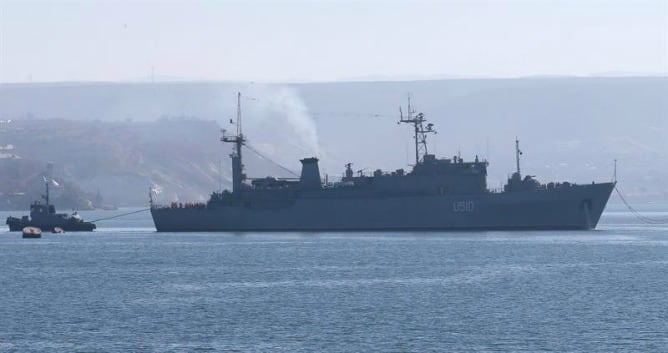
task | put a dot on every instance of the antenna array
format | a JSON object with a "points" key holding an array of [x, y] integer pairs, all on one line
{"points": [[421, 130]]}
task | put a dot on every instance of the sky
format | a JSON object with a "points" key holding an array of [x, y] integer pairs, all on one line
{"points": [[297, 41]]}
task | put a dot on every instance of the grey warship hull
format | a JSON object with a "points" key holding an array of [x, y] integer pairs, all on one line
{"points": [[564, 208], [436, 194]]}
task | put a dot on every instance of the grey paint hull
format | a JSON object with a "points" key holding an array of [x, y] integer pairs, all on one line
{"points": [[17, 224], [575, 207]]}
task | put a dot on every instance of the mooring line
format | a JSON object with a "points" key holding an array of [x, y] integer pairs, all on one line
{"points": [[641, 217]]}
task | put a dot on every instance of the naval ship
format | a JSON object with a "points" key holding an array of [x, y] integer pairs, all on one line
{"points": [[437, 194], [43, 216]]}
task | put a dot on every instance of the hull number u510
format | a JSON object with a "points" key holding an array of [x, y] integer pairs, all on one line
{"points": [[463, 206]]}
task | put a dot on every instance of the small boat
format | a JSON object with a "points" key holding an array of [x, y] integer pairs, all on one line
{"points": [[32, 232], [57, 230], [44, 216]]}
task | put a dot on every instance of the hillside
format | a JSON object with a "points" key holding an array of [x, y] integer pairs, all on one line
{"points": [[119, 137], [120, 159]]}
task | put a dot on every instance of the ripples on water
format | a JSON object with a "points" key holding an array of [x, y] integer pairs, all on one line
{"points": [[126, 288]]}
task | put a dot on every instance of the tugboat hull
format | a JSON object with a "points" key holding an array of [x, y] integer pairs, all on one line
{"points": [[69, 225]]}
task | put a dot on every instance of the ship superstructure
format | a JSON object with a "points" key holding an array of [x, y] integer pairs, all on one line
{"points": [[436, 194]]}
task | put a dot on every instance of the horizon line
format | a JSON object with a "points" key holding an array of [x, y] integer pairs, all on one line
{"points": [[361, 79]]}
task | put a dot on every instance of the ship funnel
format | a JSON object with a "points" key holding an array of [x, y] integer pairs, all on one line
{"points": [[310, 178]]}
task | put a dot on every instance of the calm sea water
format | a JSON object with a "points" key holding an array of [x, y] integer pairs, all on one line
{"points": [[126, 288]]}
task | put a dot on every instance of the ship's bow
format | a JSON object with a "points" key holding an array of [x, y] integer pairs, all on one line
{"points": [[594, 201]]}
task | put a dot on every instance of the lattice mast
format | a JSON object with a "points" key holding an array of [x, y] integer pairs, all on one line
{"points": [[421, 131]]}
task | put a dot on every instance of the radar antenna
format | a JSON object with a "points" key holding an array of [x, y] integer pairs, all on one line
{"points": [[421, 131]]}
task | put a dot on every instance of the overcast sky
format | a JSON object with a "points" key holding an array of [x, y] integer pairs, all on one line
{"points": [[323, 40]]}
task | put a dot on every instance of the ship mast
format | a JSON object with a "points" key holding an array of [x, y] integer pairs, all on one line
{"points": [[421, 131], [46, 186], [46, 197], [238, 140], [518, 153]]}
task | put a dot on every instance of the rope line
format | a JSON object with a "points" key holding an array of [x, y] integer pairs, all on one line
{"points": [[641, 217], [120, 215], [269, 159]]}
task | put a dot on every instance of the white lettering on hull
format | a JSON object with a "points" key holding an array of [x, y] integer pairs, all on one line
{"points": [[463, 206]]}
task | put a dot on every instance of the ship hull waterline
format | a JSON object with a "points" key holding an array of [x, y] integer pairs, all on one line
{"points": [[578, 207]]}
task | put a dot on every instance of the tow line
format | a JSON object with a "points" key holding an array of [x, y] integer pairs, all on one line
{"points": [[120, 215]]}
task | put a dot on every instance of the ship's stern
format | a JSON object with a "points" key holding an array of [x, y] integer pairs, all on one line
{"points": [[15, 224]]}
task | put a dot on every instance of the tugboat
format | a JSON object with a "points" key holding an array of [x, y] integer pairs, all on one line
{"points": [[44, 216]]}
